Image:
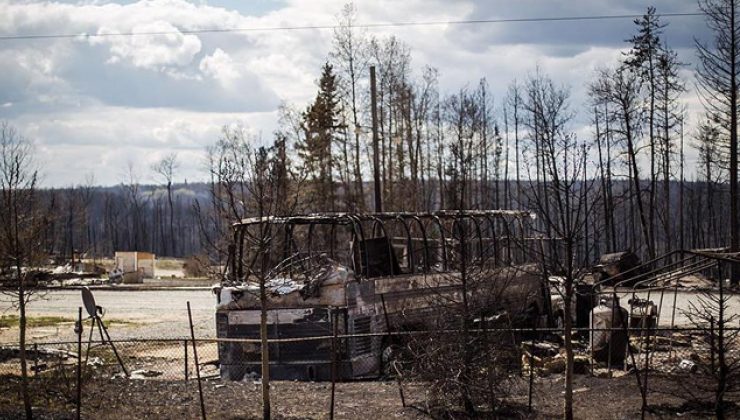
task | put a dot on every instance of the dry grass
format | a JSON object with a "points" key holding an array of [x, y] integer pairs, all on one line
{"points": [[12, 321], [170, 263]]}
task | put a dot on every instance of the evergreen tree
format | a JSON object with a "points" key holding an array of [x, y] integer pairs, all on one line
{"points": [[320, 127], [643, 60]]}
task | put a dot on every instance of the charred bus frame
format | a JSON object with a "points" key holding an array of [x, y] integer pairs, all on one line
{"points": [[391, 262]]}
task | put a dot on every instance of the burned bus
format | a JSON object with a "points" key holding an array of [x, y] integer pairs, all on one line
{"points": [[365, 274]]}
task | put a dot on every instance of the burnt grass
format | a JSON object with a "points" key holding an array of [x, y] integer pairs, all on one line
{"points": [[616, 398]]}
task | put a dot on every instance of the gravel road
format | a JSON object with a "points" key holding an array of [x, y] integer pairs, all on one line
{"points": [[149, 313]]}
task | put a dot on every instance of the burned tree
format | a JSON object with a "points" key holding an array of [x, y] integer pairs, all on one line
{"points": [[514, 103], [135, 204], [710, 174], [669, 117], [227, 165], [351, 57], [165, 169], [21, 230], [560, 203], [643, 61], [470, 359], [718, 86], [248, 182], [460, 112], [620, 88], [719, 374]]}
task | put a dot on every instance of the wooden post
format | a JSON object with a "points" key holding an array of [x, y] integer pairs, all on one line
{"points": [[531, 369], [680, 202], [195, 358], [78, 330], [185, 349], [333, 363], [712, 347], [388, 331], [36, 359]]}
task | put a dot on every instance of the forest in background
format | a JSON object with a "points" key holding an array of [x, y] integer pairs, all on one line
{"points": [[101, 220]]}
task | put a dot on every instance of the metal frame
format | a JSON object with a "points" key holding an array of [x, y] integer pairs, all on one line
{"points": [[355, 223]]}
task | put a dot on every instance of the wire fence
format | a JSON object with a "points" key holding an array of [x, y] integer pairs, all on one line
{"points": [[164, 377]]}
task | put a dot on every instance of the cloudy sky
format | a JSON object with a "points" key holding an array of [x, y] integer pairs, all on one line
{"points": [[93, 104]]}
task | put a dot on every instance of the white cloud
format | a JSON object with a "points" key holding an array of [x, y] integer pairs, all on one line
{"points": [[154, 52], [102, 140], [219, 65]]}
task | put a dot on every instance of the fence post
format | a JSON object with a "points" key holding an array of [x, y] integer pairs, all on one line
{"points": [[333, 363], [35, 359], [387, 330], [195, 359], [392, 362], [590, 328], [185, 349], [78, 330], [645, 322], [531, 368], [711, 343]]}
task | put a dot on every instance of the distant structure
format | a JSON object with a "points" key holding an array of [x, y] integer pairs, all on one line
{"points": [[135, 266]]}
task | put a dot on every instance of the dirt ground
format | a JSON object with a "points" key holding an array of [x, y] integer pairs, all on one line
{"points": [[168, 395], [616, 398]]}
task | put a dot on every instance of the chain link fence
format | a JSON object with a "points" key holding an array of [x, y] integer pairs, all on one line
{"points": [[161, 377]]}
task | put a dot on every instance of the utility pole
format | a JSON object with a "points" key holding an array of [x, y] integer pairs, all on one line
{"points": [[680, 199], [376, 164], [734, 227], [586, 256]]}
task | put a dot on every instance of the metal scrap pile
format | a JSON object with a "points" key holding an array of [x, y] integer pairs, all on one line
{"points": [[320, 282]]}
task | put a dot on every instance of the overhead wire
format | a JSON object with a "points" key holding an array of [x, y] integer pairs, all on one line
{"points": [[325, 27]]}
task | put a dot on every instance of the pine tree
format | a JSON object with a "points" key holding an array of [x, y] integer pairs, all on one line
{"points": [[320, 127], [643, 60]]}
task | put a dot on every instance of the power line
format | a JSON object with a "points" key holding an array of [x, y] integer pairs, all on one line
{"points": [[324, 27]]}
